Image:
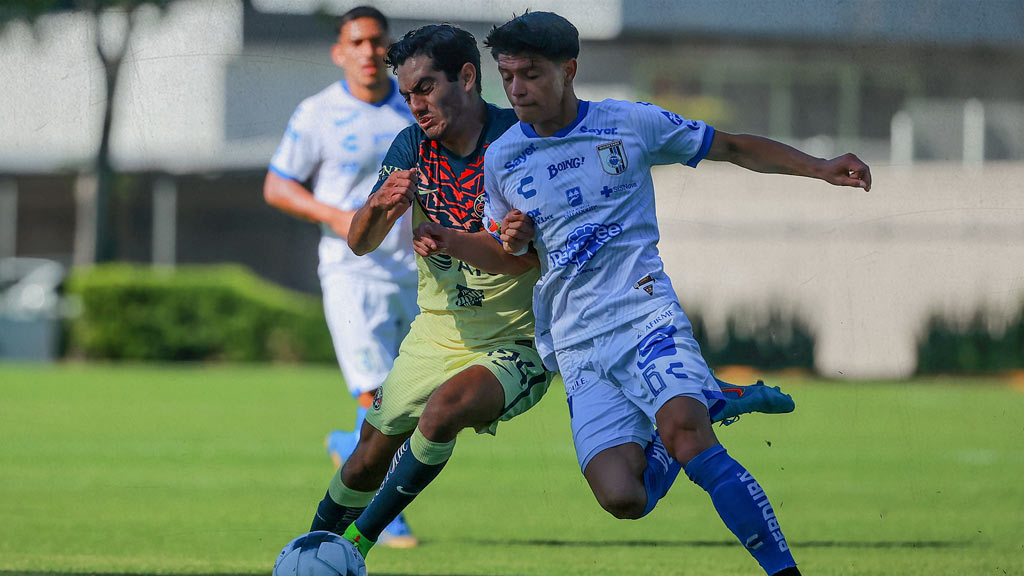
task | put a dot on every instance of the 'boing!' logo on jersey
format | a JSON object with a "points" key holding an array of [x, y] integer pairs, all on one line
{"points": [[613, 157], [583, 243]]}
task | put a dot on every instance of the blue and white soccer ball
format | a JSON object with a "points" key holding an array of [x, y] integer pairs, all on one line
{"points": [[320, 553]]}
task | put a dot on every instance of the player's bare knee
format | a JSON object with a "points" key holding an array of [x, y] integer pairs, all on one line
{"points": [[623, 505], [686, 441]]}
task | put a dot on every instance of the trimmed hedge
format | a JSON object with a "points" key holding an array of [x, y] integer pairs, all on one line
{"points": [[768, 337], [976, 345], [222, 312]]}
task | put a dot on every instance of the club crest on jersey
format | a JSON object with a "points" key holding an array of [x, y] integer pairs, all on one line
{"points": [[377, 397], [613, 157], [478, 205]]}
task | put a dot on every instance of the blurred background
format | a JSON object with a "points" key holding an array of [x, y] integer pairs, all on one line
{"points": [[135, 143]]}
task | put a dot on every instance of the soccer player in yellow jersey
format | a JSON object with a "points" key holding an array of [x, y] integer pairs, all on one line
{"points": [[469, 360]]}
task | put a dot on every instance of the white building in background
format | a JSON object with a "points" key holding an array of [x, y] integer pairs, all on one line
{"points": [[207, 88]]}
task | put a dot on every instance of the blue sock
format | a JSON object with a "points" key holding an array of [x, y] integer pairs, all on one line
{"points": [[660, 473], [743, 506], [408, 476]]}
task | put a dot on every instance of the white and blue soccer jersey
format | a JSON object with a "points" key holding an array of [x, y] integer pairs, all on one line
{"points": [[590, 194], [337, 142]]}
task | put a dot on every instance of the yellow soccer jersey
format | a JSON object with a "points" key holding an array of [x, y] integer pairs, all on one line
{"points": [[460, 305]]}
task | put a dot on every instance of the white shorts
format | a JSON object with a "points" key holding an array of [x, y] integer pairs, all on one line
{"points": [[368, 320], [616, 383]]}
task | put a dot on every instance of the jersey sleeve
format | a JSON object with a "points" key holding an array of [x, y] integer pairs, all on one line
{"points": [[400, 156], [298, 156], [669, 137], [495, 204]]}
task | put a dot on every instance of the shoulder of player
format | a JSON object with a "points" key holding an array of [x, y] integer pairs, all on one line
{"points": [[502, 118], [331, 95], [502, 146], [616, 109]]}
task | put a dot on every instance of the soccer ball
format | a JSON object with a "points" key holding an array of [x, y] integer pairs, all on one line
{"points": [[319, 553]]}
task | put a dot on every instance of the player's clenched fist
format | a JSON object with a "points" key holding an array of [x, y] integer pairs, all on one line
{"points": [[516, 232], [429, 238], [398, 191], [848, 170]]}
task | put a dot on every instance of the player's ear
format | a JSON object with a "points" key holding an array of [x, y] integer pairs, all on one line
{"points": [[338, 55], [569, 69], [468, 77]]}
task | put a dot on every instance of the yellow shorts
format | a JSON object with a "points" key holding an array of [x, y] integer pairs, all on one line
{"points": [[423, 365]]}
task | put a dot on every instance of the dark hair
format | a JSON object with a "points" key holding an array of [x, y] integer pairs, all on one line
{"points": [[450, 47], [543, 33], [363, 12]]}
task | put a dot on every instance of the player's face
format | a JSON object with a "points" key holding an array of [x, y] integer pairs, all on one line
{"points": [[435, 101], [535, 86], [360, 51]]}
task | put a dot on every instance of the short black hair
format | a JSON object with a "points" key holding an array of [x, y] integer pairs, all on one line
{"points": [[543, 33], [363, 12], [450, 47]]}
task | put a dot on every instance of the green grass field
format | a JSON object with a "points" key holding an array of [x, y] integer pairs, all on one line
{"points": [[110, 469]]}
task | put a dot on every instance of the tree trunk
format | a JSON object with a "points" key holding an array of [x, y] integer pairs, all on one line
{"points": [[95, 235], [106, 234]]}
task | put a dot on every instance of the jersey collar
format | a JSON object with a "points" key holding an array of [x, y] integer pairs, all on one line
{"points": [[581, 112]]}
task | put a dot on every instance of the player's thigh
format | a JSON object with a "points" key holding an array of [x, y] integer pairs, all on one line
{"points": [[615, 475], [519, 371], [601, 416], [471, 398], [364, 319], [419, 370]]}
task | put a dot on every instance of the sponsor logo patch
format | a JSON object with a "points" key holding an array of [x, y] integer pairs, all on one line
{"points": [[583, 243], [574, 196], [570, 164], [599, 131], [521, 158], [523, 190], [538, 217], [468, 296]]}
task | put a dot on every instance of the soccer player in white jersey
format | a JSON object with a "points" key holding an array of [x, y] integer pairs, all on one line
{"points": [[607, 315], [323, 171]]}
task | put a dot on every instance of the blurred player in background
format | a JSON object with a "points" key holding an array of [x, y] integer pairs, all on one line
{"points": [[323, 171], [607, 314], [469, 360]]}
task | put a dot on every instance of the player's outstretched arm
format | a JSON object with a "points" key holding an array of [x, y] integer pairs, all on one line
{"points": [[478, 249], [293, 198], [372, 222], [770, 157]]}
